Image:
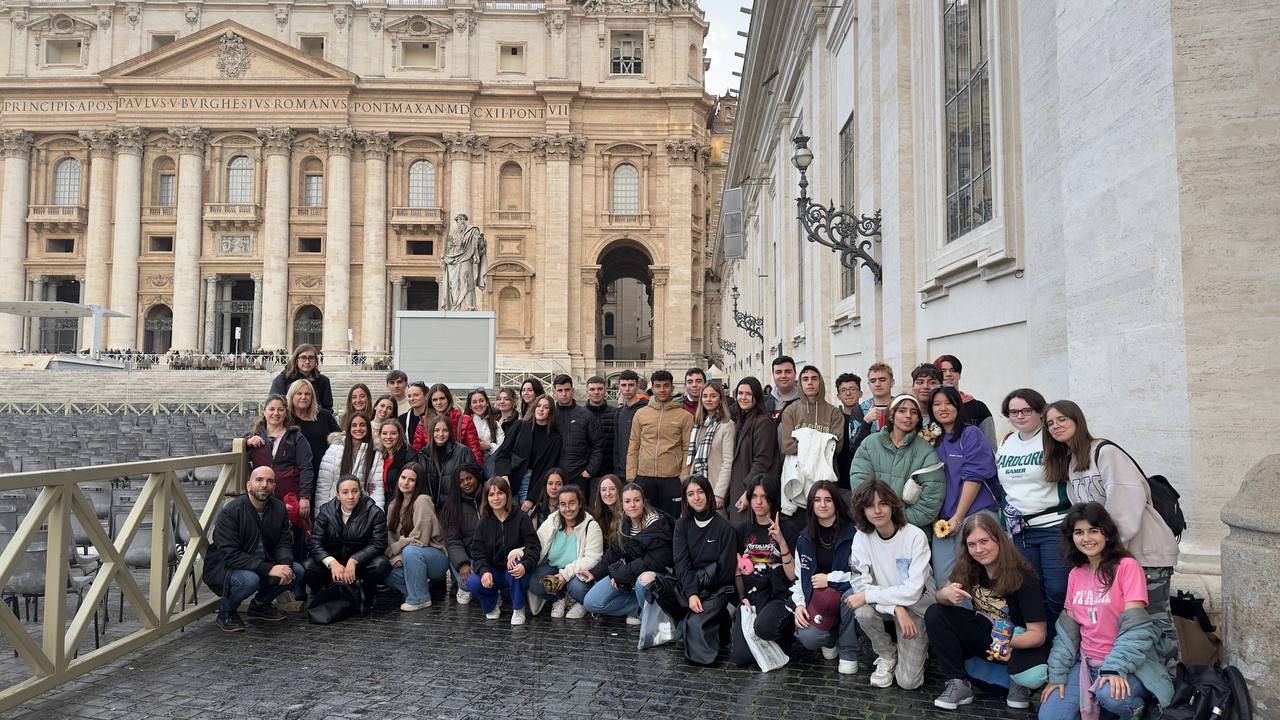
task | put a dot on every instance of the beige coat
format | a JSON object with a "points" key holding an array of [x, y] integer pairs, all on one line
{"points": [[719, 459], [426, 532], [659, 440]]}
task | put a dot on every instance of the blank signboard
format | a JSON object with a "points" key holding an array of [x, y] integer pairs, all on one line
{"points": [[454, 348]]}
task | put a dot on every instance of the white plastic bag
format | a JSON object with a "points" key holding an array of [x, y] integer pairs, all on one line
{"points": [[656, 626], [768, 654]]}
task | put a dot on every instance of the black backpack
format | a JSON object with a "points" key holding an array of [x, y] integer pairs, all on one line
{"points": [[1200, 690], [1164, 498]]}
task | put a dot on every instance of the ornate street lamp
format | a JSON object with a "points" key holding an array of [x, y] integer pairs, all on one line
{"points": [[752, 324], [838, 229], [729, 347]]}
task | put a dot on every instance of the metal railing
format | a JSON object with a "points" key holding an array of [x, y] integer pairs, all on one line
{"points": [[243, 407], [53, 660]]}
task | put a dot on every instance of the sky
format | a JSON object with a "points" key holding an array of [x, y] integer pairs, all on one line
{"points": [[723, 41]]}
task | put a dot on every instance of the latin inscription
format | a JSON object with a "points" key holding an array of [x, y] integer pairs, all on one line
{"points": [[273, 104]]}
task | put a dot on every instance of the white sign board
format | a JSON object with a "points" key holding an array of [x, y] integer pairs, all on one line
{"points": [[458, 349]]}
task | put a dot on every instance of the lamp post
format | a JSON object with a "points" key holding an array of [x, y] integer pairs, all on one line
{"points": [[752, 324], [838, 229]]}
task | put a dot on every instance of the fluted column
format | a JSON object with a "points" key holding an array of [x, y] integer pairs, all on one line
{"points": [[255, 339], [126, 238], [37, 293], [15, 145], [557, 150], [373, 285], [337, 256], [210, 312], [186, 243], [97, 234], [272, 332]]}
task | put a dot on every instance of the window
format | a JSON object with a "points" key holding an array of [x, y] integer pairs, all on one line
{"points": [[66, 182], [510, 312], [62, 52], [165, 190], [312, 45], [312, 183], [511, 58], [608, 325], [626, 55], [510, 187], [310, 245], [422, 184], [240, 180], [695, 63], [419, 247], [60, 245], [967, 98], [608, 352], [418, 54], [626, 190], [847, 192], [161, 243], [159, 40]]}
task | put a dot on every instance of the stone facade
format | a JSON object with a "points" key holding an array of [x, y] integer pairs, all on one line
{"points": [[1118, 257], [287, 172]]}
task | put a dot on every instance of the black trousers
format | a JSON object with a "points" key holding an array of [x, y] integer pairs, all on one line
{"points": [[773, 622], [662, 493], [957, 634], [702, 630], [370, 573]]}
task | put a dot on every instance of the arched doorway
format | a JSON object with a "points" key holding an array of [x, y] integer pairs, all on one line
{"points": [[157, 330], [308, 326], [624, 303]]}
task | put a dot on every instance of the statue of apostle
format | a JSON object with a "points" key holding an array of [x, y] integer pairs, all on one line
{"points": [[465, 265]]}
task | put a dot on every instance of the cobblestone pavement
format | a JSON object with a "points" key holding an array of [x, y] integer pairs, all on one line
{"points": [[449, 662]]}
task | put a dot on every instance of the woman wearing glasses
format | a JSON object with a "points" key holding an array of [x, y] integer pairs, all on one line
{"points": [[304, 365]]}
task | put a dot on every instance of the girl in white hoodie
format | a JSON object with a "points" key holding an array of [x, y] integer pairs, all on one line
{"points": [[572, 542]]}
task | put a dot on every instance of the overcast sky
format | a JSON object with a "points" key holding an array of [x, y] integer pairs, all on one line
{"points": [[723, 41]]}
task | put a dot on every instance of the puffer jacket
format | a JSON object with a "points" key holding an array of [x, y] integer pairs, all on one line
{"points": [[607, 415], [590, 541], [362, 538], [327, 477], [464, 431], [458, 532], [879, 459], [629, 555], [659, 437], [583, 448], [1136, 652], [440, 481]]}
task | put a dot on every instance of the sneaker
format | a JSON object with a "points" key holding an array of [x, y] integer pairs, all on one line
{"points": [[265, 613], [413, 607], [830, 653], [956, 693], [493, 614], [882, 677], [848, 667], [517, 617], [1019, 697], [557, 608], [633, 619], [230, 621], [463, 597], [575, 611], [289, 603]]}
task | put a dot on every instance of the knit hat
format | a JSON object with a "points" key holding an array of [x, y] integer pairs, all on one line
{"points": [[893, 406]]}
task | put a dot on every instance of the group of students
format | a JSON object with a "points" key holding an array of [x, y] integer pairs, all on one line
{"points": [[1037, 560]]}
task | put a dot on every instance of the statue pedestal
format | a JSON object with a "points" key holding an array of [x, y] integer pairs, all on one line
{"points": [[458, 349]]}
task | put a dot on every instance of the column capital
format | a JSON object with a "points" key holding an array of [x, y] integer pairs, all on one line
{"points": [[101, 142], [276, 140], [659, 275], [339, 140], [190, 138], [129, 140], [209, 277], [464, 146], [559, 146], [686, 151], [374, 144], [257, 278], [397, 282], [15, 143]]}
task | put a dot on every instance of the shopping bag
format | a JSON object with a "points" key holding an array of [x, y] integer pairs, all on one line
{"points": [[768, 654], [656, 627]]}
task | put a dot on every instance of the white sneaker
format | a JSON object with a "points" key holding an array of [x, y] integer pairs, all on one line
{"points": [[575, 611], [412, 607], [830, 653], [463, 597], [848, 667], [494, 614], [882, 677], [517, 617], [633, 619], [557, 608]]}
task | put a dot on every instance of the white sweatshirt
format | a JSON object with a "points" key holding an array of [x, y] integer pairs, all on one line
{"points": [[894, 572]]}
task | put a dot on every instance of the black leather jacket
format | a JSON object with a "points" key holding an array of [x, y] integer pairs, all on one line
{"points": [[363, 537]]}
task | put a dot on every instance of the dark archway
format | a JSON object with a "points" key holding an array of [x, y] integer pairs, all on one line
{"points": [[624, 303], [308, 326], [157, 330]]}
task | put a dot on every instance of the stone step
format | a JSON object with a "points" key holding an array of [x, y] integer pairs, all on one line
{"points": [[144, 386]]}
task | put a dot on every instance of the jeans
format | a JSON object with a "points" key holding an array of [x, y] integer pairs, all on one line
{"points": [[243, 583], [1068, 707], [522, 492], [1042, 548], [420, 566], [944, 553], [577, 589], [843, 636], [489, 597], [604, 599]]}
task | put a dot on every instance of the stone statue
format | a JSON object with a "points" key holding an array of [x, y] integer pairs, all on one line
{"points": [[465, 264]]}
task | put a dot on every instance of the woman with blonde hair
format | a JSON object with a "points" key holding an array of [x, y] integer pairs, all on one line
{"points": [[315, 422]]}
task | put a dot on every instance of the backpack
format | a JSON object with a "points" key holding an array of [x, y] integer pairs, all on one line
{"points": [[1164, 498], [1209, 692]]}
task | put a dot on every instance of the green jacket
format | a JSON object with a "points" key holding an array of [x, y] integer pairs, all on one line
{"points": [[879, 459]]}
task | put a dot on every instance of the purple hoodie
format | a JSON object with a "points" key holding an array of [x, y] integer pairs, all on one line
{"points": [[969, 459]]}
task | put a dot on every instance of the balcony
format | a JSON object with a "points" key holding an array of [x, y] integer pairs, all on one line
{"points": [[308, 214], [232, 216], [510, 217], [57, 218], [625, 219], [409, 219], [156, 214]]}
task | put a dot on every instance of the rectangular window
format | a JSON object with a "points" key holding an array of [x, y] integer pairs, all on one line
{"points": [[626, 54], [161, 243], [60, 245], [313, 190], [312, 45], [310, 245], [167, 193], [967, 97], [419, 247], [419, 54], [511, 58], [62, 52], [847, 192], [159, 40]]}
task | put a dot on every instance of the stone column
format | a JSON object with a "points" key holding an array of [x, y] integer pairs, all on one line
{"points": [[15, 146], [210, 311], [255, 339], [684, 158], [373, 285], [459, 178], [661, 317], [397, 303], [126, 238], [272, 332], [556, 150], [37, 293], [97, 234], [1250, 561], [337, 256], [187, 240]]}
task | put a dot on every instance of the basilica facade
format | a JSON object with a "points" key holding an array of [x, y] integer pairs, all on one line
{"points": [[234, 175]]}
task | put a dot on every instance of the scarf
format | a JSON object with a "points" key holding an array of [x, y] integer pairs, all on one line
{"points": [[650, 518], [700, 447]]}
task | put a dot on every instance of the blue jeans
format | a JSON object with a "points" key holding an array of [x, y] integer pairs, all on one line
{"points": [[843, 636], [243, 583], [522, 492], [1042, 548], [1068, 707], [489, 597], [604, 599], [576, 588], [421, 564]]}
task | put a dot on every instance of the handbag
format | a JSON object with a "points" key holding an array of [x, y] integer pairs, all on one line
{"points": [[333, 603], [768, 654], [664, 592]]}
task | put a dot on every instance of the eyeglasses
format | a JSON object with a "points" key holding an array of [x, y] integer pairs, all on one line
{"points": [[1024, 412], [312, 358], [848, 390], [1057, 422]]}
